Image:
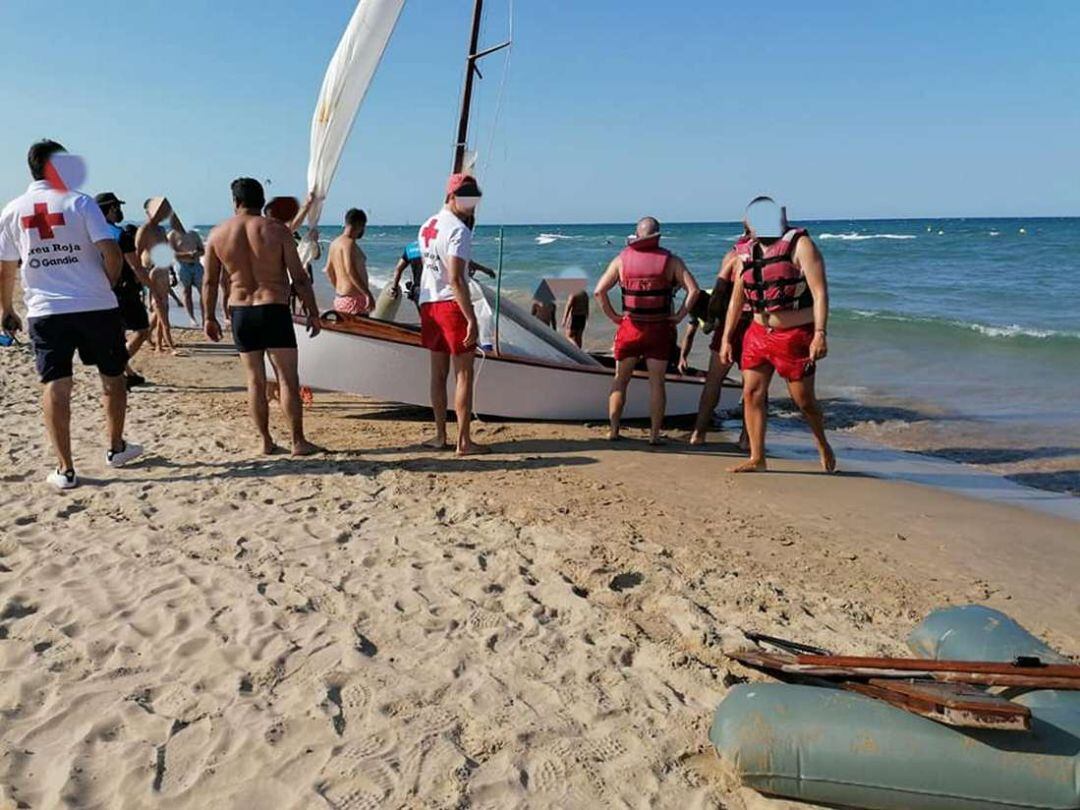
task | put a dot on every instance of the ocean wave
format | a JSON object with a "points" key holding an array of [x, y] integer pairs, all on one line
{"points": [[987, 330], [859, 237]]}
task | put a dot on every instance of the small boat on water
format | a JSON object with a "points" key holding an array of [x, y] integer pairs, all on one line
{"points": [[525, 370]]}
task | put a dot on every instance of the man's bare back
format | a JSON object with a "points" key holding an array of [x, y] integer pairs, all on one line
{"points": [[258, 254], [337, 266]]}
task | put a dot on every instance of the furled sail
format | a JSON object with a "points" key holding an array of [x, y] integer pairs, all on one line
{"points": [[343, 89]]}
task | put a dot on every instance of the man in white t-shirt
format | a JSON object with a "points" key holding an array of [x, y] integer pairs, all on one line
{"points": [[448, 325], [70, 262]]}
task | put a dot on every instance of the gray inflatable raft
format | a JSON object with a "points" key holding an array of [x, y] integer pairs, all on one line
{"points": [[834, 747]]}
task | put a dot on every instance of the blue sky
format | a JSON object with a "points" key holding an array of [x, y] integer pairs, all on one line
{"points": [[612, 108]]}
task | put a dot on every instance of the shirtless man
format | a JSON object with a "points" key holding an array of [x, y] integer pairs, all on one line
{"points": [[346, 267], [575, 316], [543, 310], [260, 258], [188, 247]]}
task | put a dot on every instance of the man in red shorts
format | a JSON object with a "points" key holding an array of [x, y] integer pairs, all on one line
{"points": [[649, 276], [448, 327], [781, 276]]}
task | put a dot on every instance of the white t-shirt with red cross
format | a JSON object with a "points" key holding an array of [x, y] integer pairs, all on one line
{"points": [[53, 234], [442, 236]]}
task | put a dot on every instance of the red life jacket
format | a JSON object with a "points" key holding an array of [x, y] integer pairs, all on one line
{"points": [[770, 278], [647, 291]]}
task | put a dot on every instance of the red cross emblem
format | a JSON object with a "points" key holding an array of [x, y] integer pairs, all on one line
{"points": [[43, 221], [429, 232]]}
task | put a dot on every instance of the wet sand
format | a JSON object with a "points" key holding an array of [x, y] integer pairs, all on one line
{"points": [[380, 626]]}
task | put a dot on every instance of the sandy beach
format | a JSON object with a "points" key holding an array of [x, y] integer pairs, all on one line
{"points": [[382, 626]]}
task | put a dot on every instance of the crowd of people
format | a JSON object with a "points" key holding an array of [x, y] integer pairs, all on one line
{"points": [[102, 290]]}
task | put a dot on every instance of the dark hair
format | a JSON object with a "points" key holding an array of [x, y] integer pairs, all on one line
{"points": [[39, 155], [248, 193], [355, 218]]}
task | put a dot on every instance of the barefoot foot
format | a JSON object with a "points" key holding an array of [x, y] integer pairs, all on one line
{"points": [[750, 465], [472, 449], [697, 439], [305, 448], [438, 443], [828, 458]]}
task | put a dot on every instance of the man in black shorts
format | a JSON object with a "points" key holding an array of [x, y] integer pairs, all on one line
{"points": [[132, 280], [259, 255], [69, 262]]}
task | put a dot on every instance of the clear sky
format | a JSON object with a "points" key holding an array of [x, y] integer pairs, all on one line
{"points": [[612, 108]]}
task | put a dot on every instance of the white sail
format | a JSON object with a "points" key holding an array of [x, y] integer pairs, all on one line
{"points": [[343, 89]]}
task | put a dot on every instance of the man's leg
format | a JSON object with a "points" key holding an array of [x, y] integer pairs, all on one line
{"points": [[440, 369], [624, 370], [710, 397], [755, 401], [463, 400], [657, 399], [189, 304], [255, 367], [114, 400], [802, 392], [56, 403], [285, 368]]}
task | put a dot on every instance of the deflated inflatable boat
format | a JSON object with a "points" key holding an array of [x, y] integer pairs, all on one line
{"points": [[829, 746]]}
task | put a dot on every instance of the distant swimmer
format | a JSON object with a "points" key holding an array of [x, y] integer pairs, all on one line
{"points": [[780, 273], [260, 257], [649, 275], [448, 325], [575, 316], [346, 267]]}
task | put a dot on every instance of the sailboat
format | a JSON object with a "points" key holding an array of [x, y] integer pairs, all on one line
{"points": [[525, 370]]}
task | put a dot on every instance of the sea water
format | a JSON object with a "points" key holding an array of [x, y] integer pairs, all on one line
{"points": [[965, 322]]}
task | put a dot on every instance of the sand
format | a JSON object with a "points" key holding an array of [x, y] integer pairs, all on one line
{"points": [[388, 627]]}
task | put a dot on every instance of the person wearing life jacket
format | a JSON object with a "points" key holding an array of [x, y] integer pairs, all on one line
{"points": [[716, 316], [648, 276], [780, 274]]}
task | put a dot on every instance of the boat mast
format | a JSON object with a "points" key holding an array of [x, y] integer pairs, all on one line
{"points": [[466, 91]]}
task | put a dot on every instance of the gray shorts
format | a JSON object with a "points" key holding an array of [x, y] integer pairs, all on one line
{"points": [[190, 274]]}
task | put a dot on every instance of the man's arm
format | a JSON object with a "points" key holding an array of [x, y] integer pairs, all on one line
{"points": [[211, 279], [399, 271], [808, 259], [301, 215], [112, 259], [356, 271], [687, 345], [459, 284], [734, 312], [604, 286], [685, 279], [9, 267], [300, 282]]}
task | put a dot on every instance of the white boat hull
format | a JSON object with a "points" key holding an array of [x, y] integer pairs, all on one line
{"points": [[513, 388]]}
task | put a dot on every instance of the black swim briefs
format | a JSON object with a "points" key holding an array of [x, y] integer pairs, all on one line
{"points": [[98, 336], [263, 326]]}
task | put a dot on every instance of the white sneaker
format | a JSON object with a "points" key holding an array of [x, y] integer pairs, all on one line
{"points": [[119, 458], [62, 480]]}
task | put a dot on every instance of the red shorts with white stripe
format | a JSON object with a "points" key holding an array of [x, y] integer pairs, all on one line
{"points": [[443, 328]]}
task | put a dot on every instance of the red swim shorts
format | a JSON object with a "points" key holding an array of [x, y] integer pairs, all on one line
{"points": [[786, 350], [736, 338], [443, 328], [653, 340]]}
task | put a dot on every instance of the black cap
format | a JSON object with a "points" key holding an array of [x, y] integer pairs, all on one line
{"points": [[107, 198]]}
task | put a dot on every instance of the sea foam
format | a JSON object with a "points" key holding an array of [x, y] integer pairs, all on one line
{"points": [[859, 237]]}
